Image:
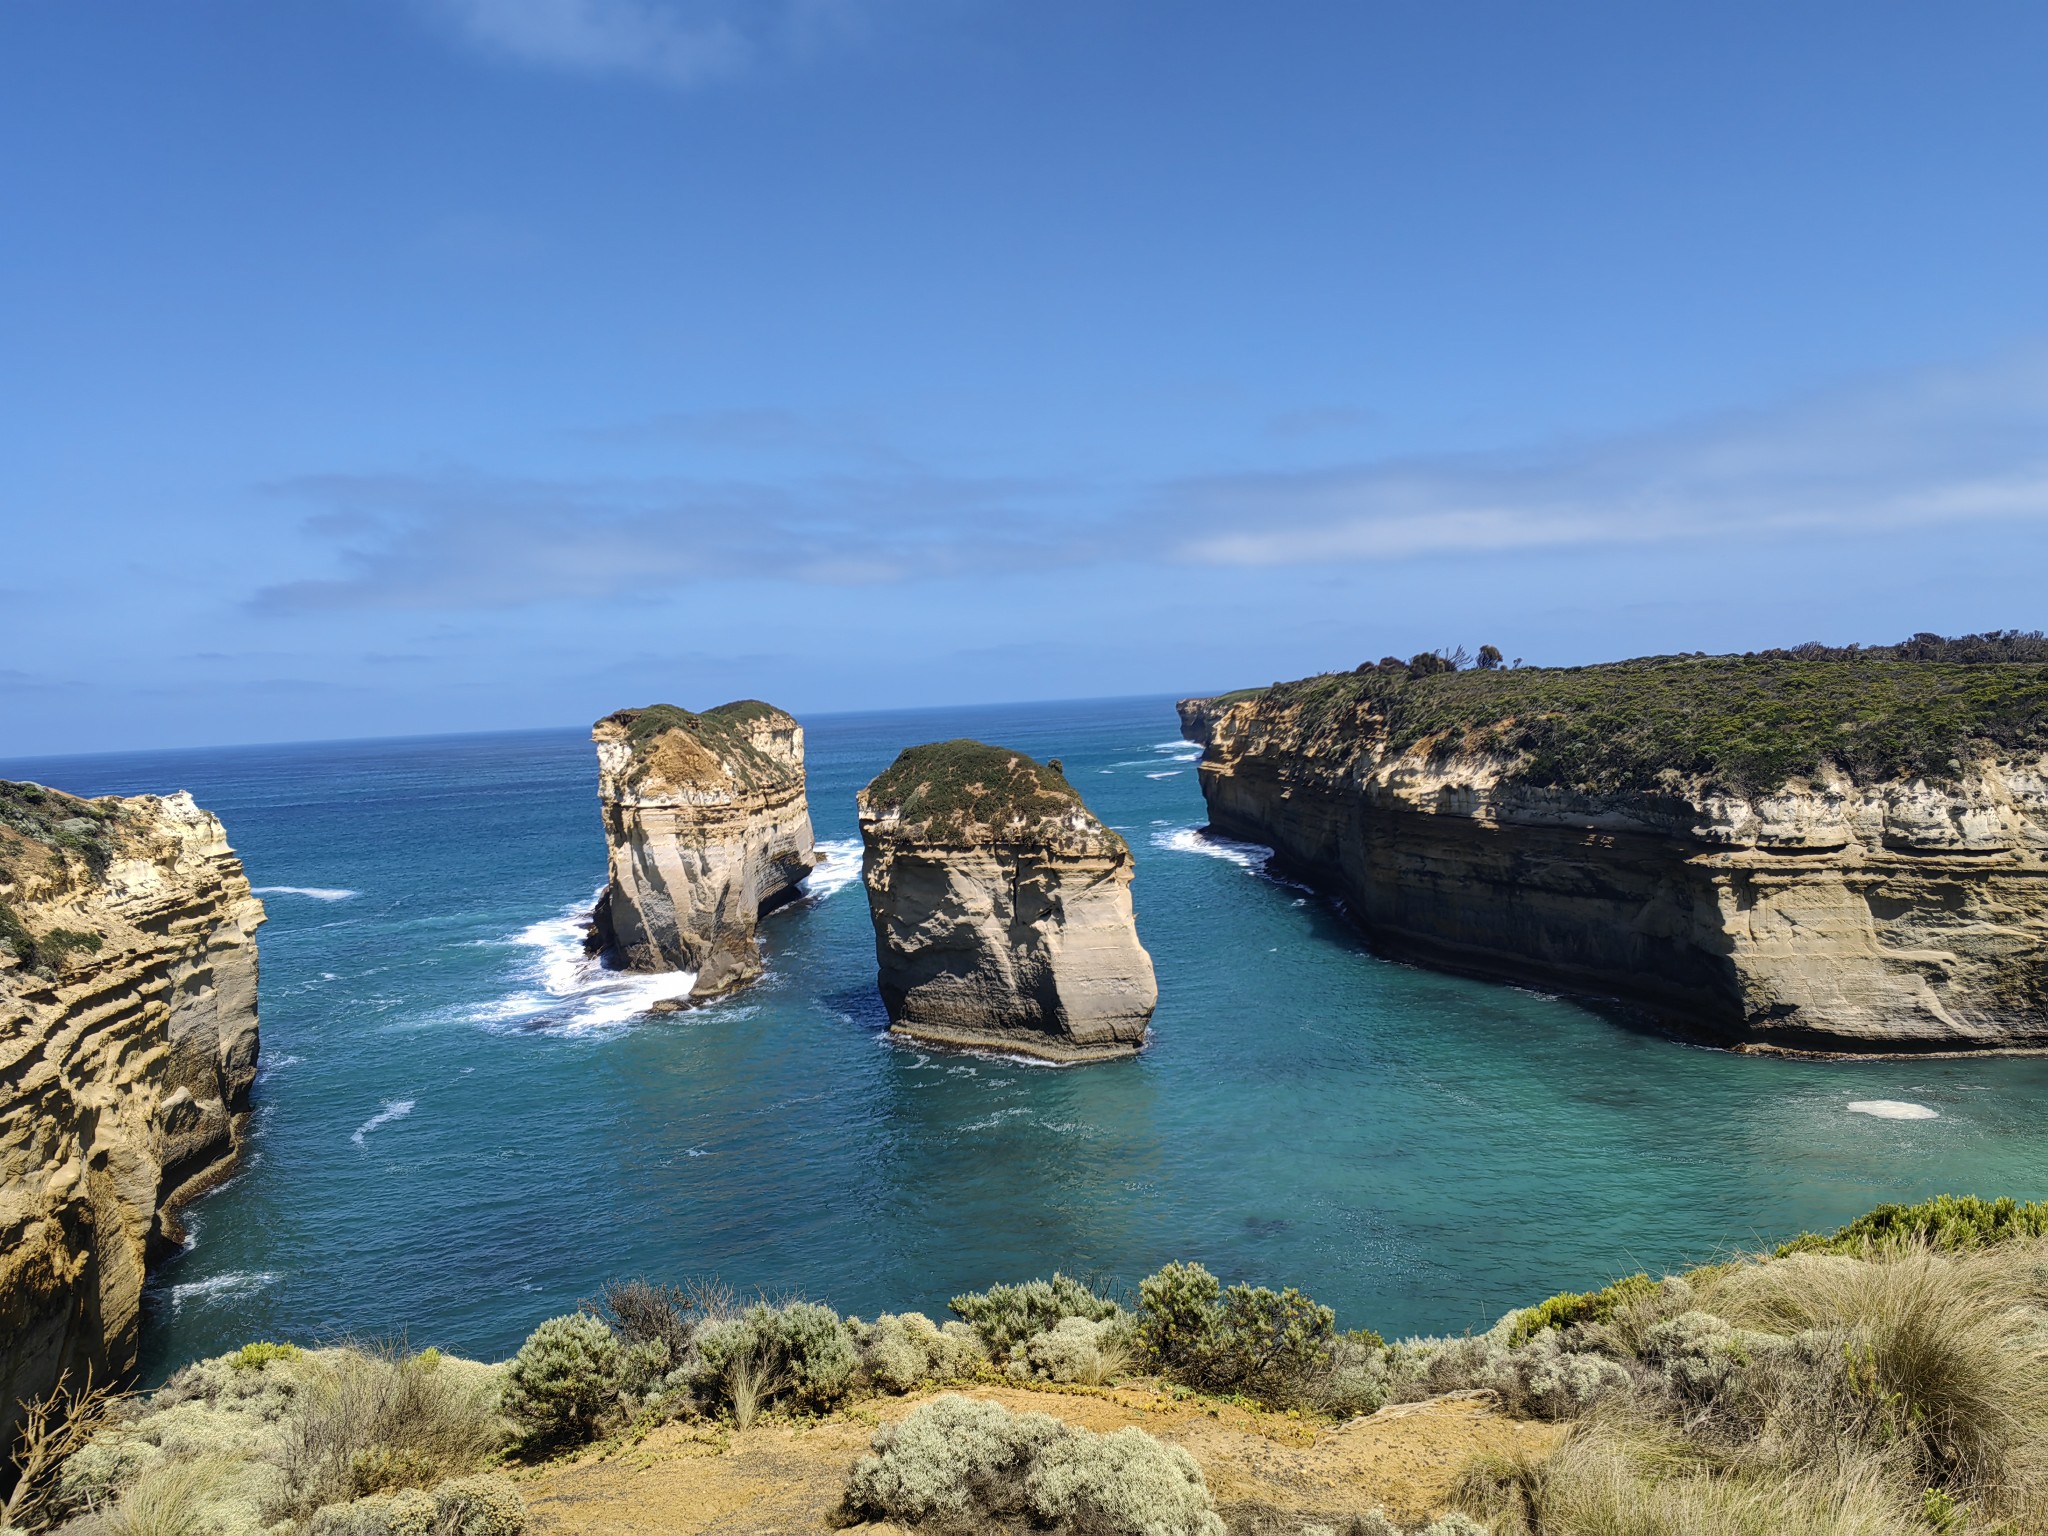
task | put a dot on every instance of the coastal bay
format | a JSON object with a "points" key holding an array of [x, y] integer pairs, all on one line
{"points": [[459, 1127]]}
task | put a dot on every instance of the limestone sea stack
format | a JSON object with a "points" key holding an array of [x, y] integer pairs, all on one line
{"points": [[127, 1052], [707, 827], [1825, 850], [1002, 907]]}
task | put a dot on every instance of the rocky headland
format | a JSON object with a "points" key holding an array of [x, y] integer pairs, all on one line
{"points": [[707, 827], [128, 1046], [1002, 907], [1814, 850]]}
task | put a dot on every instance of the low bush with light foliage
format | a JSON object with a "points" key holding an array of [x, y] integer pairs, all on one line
{"points": [[958, 1464]]}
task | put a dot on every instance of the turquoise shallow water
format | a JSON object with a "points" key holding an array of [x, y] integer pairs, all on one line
{"points": [[457, 1134]]}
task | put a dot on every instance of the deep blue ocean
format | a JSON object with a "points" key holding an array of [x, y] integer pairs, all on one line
{"points": [[460, 1129]]}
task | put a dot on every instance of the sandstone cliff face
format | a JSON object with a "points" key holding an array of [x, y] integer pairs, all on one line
{"points": [[1002, 908], [1828, 914], [127, 1051], [707, 826]]}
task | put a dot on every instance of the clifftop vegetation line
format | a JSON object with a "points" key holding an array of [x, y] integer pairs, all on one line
{"points": [[1746, 724]]}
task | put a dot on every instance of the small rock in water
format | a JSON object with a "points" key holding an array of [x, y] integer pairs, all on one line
{"points": [[668, 1005], [1893, 1109]]}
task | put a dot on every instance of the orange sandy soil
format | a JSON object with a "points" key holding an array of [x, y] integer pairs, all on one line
{"points": [[777, 1477]]}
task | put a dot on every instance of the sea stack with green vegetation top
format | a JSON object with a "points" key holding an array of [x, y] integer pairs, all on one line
{"points": [[707, 827], [1002, 907], [127, 1051], [1828, 849]]}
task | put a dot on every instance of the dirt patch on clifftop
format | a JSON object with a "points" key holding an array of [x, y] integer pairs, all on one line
{"points": [[1268, 1472]]}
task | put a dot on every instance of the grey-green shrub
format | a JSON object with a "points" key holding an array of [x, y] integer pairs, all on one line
{"points": [[1075, 1350], [961, 1464], [483, 1505], [801, 1353], [1120, 1484], [954, 1461], [565, 1381], [898, 1351], [1007, 1315]]}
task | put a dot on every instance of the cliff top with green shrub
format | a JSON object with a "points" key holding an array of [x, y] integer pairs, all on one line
{"points": [[682, 746], [38, 828], [1749, 723], [964, 791]]}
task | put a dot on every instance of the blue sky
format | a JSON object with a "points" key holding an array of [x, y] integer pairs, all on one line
{"points": [[386, 366]]}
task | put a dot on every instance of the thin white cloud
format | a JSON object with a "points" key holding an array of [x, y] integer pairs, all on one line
{"points": [[1954, 451], [676, 42], [1953, 447]]}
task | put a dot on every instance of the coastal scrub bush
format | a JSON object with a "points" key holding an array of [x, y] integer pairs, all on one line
{"points": [[957, 1464], [898, 1351], [642, 1312], [1124, 1483], [366, 1421], [1007, 1315], [1277, 1346], [565, 1380], [253, 1357], [1543, 1378], [1570, 1309], [799, 1353], [1076, 1351], [1946, 1222], [484, 1505]]}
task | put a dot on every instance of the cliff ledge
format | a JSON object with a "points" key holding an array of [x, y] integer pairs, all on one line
{"points": [[1838, 851], [128, 1047]]}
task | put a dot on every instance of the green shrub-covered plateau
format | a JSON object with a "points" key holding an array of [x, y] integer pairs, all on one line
{"points": [[724, 732], [964, 788], [1745, 723]]}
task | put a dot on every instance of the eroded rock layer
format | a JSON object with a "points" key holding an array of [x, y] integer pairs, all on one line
{"points": [[1002, 907], [707, 827], [1894, 911], [127, 1052]]}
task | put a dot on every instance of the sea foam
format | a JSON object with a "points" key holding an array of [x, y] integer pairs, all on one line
{"points": [[840, 869], [315, 892], [1893, 1109], [394, 1109], [1249, 857], [561, 989], [238, 1283]]}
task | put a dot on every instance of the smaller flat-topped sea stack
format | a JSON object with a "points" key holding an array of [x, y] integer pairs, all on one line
{"points": [[1002, 907], [707, 827]]}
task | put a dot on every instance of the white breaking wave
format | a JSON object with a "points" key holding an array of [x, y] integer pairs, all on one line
{"points": [[1893, 1109], [240, 1283], [567, 991], [1178, 744], [1249, 857], [1171, 773], [840, 869], [394, 1109], [316, 892]]}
